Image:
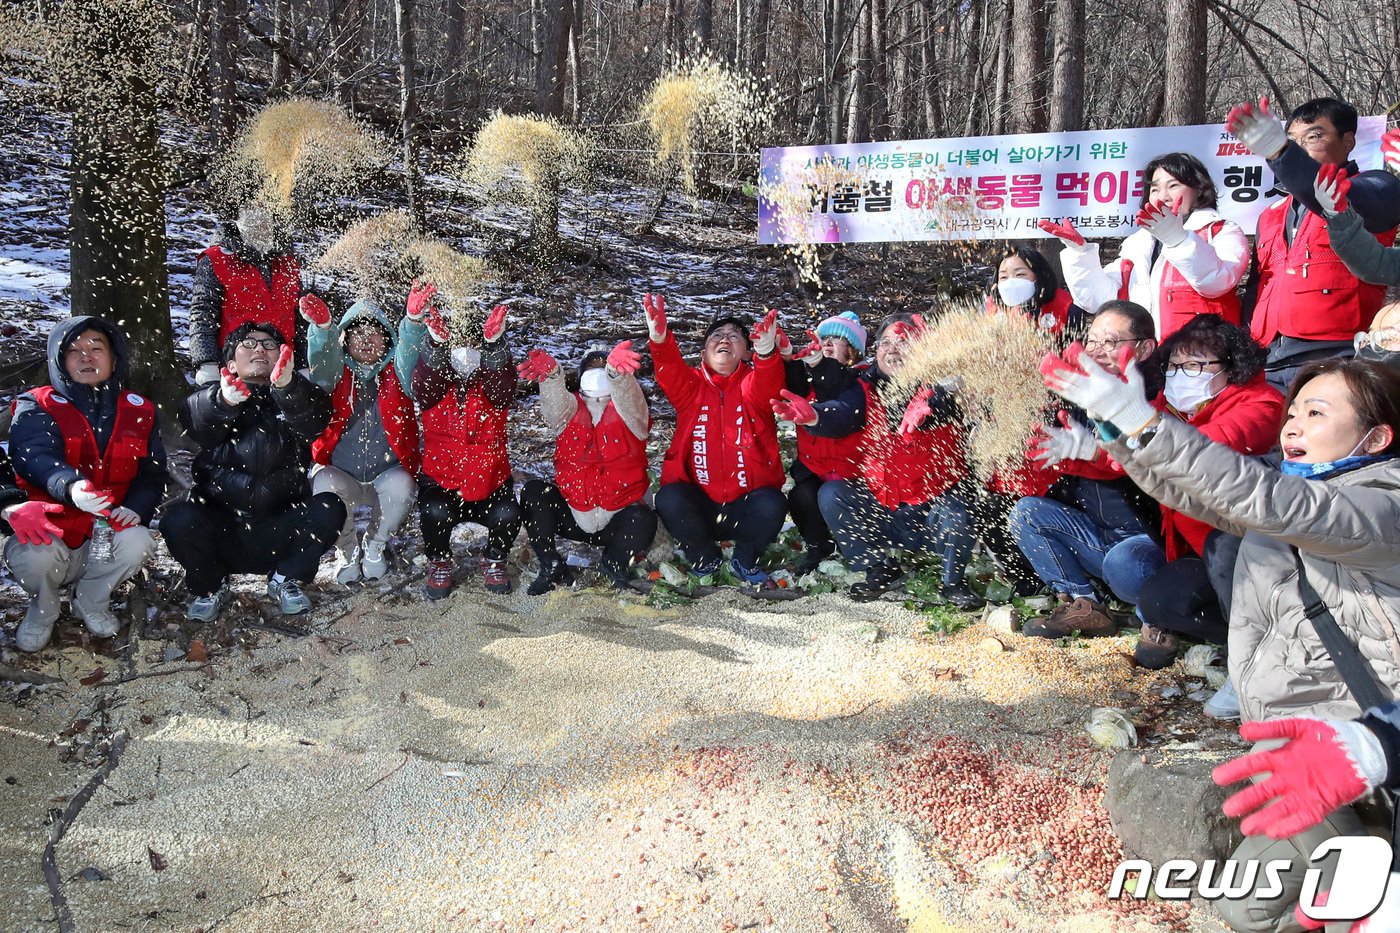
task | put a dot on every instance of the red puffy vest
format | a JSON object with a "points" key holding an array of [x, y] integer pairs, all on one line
{"points": [[464, 444], [908, 470], [830, 457], [113, 470], [600, 466], [248, 299], [1305, 290], [1178, 302], [395, 410]]}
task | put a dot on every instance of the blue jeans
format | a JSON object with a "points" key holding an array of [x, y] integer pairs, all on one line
{"points": [[864, 529], [1069, 551]]}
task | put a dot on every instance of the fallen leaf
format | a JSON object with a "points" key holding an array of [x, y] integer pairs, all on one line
{"points": [[401, 640], [946, 673], [96, 677], [158, 861], [198, 653]]}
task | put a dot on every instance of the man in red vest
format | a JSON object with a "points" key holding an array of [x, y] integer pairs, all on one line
{"points": [[89, 451], [368, 455], [600, 464], [465, 397], [1308, 304], [247, 277]]}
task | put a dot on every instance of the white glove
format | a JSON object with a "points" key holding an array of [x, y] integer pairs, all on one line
{"points": [[1121, 402], [90, 498], [1257, 128], [1164, 223], [765, 334], [123, 518], [232, 390], [206, 374], [655, 308], [1072, 442]]}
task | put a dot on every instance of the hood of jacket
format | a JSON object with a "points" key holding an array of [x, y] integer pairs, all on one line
{"points": [[62, 337], [367, 309]]}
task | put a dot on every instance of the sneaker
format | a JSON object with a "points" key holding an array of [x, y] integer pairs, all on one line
{"points": [[878, 581], [289, 596], [1156, 648], [616, 572], [347, 566], [1085, 617], [494, 576], [207, 608], [706, 566], [961, 596], [439, 578], [1224, 705], [752, 575], [373, 563], [553, 571], [101, 622], [34, 632]]}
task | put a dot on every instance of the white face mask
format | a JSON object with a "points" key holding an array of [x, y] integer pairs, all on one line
{"points": [[465, 361], [594, 383], [1186, 392], [1015, 291]]}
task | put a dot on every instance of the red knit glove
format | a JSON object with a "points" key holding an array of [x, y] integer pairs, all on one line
{"points": [[495, 324], [436, 324], [814, 347], [624, 360], [30, 521], [1331, 188], [917, 411], [537, 367], [1390, 149], [794, 408], [282, 370], [420, 300], [655, 308], [1065, 231], [784, 344], [314, 310]]}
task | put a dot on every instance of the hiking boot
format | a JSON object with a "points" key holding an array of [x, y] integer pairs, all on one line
{"points": [[752, 575], [1156, 649], [878, 581], [553, 571], [289, 596], [494, 576], [34, 632], [347, 566], [439, 578], [1224, 705], [1084, 617], [207, 608], [617, 573], [373, 562], [961, 596], [101, 622], [811, 560], [706, 566]]}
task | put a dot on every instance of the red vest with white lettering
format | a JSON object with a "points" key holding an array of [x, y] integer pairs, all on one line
{"points": [[723, 449], [1178, 302], [248, 298], [1305, 290], [395, 411], [113, 469], [909, 469], [464, 444], [601, 465]]}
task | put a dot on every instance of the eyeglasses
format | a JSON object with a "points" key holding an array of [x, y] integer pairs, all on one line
{"points": [[1311, 139], [253, 343], [724, 336], [1110, 344], [1191, 368], [1382, 339]]}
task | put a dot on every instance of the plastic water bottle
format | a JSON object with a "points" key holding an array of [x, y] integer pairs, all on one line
{"points": [[100, 547]]}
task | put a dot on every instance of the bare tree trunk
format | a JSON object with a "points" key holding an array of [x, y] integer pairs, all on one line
{"points": [[759, 53], [858, 113], [1067, 103], [979, 31], [999, 101], [408, 101], [223, 74], [1185, 96], [576, 64], [349, 49], [705, 25], [741, 33], [282, 45], [1028, 66], [552, 65], [878, 59], [453, 61]]}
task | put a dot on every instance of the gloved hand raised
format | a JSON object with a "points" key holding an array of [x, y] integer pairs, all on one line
{"points": [[91, 499], [765, 334], [623, 360], [811, 354], [794, 408], [1259, 130], [784, 344], [495, 326], [1065, 231], [314, 310], [917, 410], [537, 367], [232, 390], [207, 373], [1163, 222], [283, 369], [655, 308], [436, 325], [1071, 441], [1077, 378], [1390, 149], [420, 301], [1331, 189], [30, 521]]}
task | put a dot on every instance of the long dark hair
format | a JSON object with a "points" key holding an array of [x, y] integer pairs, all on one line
{"points": [[1212, 335], [1186, 169], [1047, 283]]}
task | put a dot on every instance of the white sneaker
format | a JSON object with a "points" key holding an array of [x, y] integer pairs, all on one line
{"points": [[101, 622], [347, 566], [34, 633], [1224, 705], [207, 608], [374, 564]]}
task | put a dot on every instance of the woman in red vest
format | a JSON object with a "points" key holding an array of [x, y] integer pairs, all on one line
{"points": [[1186, 260], [1026, 284], [722, 477], [465, 395], [368, 454], [600, 464], [88, 452]]}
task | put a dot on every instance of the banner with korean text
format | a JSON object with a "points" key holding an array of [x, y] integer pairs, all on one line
{"points": [[995, 187]]}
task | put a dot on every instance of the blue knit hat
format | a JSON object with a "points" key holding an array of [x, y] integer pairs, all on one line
{"points": [[846, 325]]}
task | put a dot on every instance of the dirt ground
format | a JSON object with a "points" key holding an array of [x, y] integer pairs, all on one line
{"points": [[581, 761]]}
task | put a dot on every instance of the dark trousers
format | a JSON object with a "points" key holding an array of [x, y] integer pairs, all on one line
{"points": [[1191, 595], [806, 512], [211, 543], [548, 516], [990, 517], [440, 510], [698, 523], [865, 530]]}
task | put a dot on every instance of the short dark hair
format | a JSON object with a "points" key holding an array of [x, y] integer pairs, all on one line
{"points": [[1047, 283], [738, 322], [899, 317], [1140, 323], [1374, 389], [1339, 113], [1212, 335], [243, 330], [1186, 169]]}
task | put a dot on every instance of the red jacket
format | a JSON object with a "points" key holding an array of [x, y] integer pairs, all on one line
{"points": [[464, 443], [395, 410], [1052, 318], [1244, 418], [601, 465], [726, 438], [1178, 302], [909, 469], [1305, 290], [248, 297], [113, 469]]}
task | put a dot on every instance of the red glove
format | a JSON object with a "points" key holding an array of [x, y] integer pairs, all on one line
{"points": [[655, 308], [420, 300], [282, 370], [538, 366], [1326, 764], [437, 326], [623, 359], [917, 411], [233, 390], [910, 331], [794, 408], [30, 521], [1064, 231], [495, 324], [784, 344], [121, 518], [1331, 188], [814, 347], [765, 334], [1390, 149], [315, 310]]}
